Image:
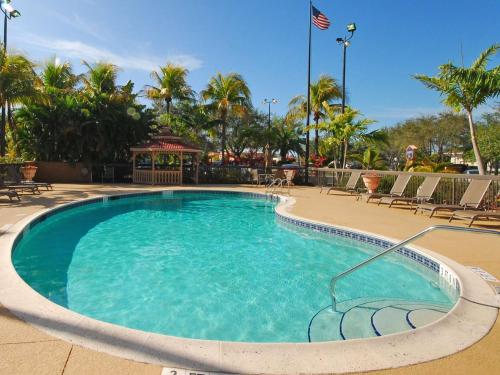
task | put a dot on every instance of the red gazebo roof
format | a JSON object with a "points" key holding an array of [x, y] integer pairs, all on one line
{"points": [[166, 142]]}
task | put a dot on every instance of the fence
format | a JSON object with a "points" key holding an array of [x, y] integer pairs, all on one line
{"points": [[449, 190]]}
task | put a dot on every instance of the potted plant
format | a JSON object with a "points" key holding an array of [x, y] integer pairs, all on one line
{"points": [[29, 171], [370, 160]]}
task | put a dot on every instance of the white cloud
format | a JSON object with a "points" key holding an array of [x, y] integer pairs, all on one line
{"points": [[84, 26], [80, 50]]}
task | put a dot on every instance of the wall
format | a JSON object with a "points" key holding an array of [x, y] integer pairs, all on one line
{"points": [[62, 172]]}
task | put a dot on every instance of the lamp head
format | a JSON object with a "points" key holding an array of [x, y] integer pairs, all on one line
{"points": [[340, 40], [351, 27], [9, 10]]}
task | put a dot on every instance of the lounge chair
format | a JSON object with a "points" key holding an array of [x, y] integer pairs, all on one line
{"points": [[19, 188], [472, 198], [350, 186], [424, 194], [10, 193], [397, 190], [474, 215], [15, 178]]}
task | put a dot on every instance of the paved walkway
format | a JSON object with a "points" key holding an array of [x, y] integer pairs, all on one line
{"points": [[25, 350]]}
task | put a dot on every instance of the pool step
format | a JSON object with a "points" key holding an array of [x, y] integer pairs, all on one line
{"points": [[363, 318], [422, 317]]}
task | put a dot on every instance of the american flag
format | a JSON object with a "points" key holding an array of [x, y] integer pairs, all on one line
{"points": [[319, 19]]}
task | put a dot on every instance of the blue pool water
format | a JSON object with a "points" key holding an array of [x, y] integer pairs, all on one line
{"points": [[204, 265]]}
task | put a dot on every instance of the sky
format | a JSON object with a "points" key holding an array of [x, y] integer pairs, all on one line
{"points": [[266, 42]]}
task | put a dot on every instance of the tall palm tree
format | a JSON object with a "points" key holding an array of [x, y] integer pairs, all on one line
{"points": [[224, 95], [171, 84], [326, 89], [467, 88]]}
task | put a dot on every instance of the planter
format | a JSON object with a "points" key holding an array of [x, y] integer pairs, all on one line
{"points": [[372, 181], [29, 171]]}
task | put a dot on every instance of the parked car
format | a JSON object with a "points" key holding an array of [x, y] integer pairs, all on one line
{"points": [[472, 170]]}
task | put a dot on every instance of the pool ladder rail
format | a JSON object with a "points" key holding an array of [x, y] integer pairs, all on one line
{"points": [[398, 246]]}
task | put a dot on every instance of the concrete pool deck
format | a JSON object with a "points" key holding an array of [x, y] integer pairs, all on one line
{"points": [[23, 349]]}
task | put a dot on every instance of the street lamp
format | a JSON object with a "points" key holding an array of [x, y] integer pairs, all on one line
{"points": [[345, 42], [268, 145], [9, 13]]}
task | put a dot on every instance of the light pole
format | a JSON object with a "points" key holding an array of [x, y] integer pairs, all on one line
{"points": [[345, 42], [9, 12], [267, 155]]}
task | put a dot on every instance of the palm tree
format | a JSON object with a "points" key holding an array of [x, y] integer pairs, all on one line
{"points": [[467, 88], [56, 76], [326, 89], [171, 84], [346, 127], [18, 84], [100, 78], [285, 135], [370, 159], [224, 95]]}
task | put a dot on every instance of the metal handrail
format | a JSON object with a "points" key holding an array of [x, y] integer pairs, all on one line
{"points": [[398, 246]]}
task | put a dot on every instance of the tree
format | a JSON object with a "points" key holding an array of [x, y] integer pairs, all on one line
{"points": [[18, 84], [325, 90], [171, 84], [286, 137], [246, 131], [467, 88], [347, 127], [224, 95], [488, 137], [370, 159], [96, 122]]}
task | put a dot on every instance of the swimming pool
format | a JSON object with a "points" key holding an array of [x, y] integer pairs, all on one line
{"points": [[217, 266]]}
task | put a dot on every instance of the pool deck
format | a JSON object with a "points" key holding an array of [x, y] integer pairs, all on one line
{"points": [[26, 350]]}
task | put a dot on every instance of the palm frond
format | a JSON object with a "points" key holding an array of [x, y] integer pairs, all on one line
{"points": [[482, 61]]}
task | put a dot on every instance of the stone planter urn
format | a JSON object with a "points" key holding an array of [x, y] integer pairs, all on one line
{"points": [[29, 172], [372, 181]]}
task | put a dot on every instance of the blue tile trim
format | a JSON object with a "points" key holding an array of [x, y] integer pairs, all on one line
{"points": [[413, 255]]}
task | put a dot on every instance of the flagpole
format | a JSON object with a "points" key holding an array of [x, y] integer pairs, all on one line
{"points": [[308, 115]]}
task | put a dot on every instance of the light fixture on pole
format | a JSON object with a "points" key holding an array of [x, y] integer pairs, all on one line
{"points": [[345, 42], [267, 155], [9, 13]]}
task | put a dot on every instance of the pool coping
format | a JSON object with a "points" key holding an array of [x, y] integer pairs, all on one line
{"points": [[469, 321]]}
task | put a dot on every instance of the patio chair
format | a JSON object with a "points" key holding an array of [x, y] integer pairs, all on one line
{"points": [[19, 188], [15, 178], [424, 194], [474, 215], [258, 178], [397, 189], [472, 198], [350, 186]]}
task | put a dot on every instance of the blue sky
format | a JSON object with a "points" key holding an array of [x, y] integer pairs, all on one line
{"points": [[266, 41]]}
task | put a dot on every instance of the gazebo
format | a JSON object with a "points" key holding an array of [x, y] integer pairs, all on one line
{"points": [[161, 160]]}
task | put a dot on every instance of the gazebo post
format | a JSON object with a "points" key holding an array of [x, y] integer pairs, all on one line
{"points": [[153, 156], [133, 167], [197, 158], [182, 157]]}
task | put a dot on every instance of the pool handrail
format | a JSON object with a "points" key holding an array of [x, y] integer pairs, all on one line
{"points": [[398, 246]]}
